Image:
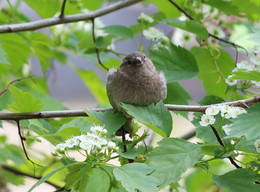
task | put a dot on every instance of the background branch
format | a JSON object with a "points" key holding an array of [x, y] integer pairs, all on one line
{"points": [[17, 172], [77, 113], [66, 19]]}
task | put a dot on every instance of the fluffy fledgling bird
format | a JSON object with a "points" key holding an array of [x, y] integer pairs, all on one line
{"points": [[135, 82]]}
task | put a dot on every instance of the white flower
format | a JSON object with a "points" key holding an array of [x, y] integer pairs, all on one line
{"points": [[153, 34], [213, 110], [111, 145], [98, 130], [226, 129], [217, 31], [187, 37], [245, 65], [145, 18], [207, 120], [257, 145], [230, 82], [60, 148], [256, 83], [82, 138], [72, 142], [235, 111], [85, 145], [255, 59]]}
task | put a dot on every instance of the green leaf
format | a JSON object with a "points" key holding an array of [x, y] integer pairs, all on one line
{"points": [[212, 70], [224, 6], [45, 178], [157, 117], [3, 58], [177, 63], [189, 25], [24, 101], [200, 180], [112, 121], [239, 180], [211, 149], [168, 9], [246, 75], [95, 84], [82, 123], [119, 30], [134, 176], [40, 44], [177, 94], [246, 124], [98, 181], [17, 50], [172, 158], [43, 8]]}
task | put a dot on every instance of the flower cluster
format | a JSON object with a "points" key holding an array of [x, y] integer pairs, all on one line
{"points": [[225, 111], [155, 35], [94, 142], [253, 64]]}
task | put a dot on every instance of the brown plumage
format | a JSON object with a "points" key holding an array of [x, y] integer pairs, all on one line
{"points": [[135, 82]]}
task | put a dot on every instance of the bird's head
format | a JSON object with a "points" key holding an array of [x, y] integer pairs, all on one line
{"points": [[134, 60]]}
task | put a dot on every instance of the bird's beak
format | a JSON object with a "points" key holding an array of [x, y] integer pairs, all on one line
{"points": [[138, 61]]}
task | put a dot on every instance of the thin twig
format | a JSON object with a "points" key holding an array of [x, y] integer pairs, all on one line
{"points": [[210, 34], [6, 88], [62, 9], [22, 138], [17, 172], [81, 113], [96, 49], [33, 25], [222, 144]]}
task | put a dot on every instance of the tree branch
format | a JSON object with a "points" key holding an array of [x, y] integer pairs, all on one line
{"points": [[22, 138], [66, 19], [222, 144], [96, 49], [17, 172], [81, 113], [6, 88], [62, 9]]}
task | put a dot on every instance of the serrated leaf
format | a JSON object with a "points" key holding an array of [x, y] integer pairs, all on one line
{"points": [[177, 63], [239, 180], [247, 75], [98, 181], [119, 30], [112, 121], [95, 84], [135, 176], [157, 117], [212, 70], [246, 124], [24, 101], [172, 158]]}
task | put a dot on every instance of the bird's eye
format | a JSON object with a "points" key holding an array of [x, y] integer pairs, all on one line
{"points": [[128, 62]]}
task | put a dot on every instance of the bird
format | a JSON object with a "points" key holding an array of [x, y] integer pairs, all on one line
{"points": [[135, 82]]}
